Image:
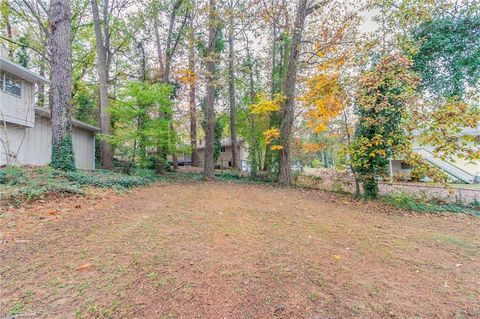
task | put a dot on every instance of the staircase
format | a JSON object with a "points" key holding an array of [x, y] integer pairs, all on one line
{"points": [[452, 170]]}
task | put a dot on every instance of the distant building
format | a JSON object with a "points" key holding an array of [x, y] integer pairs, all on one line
{"points": [[225, 158], [458, 169], [26, 130]]}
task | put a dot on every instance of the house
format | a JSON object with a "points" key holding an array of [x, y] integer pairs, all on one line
{"points": [[225, 158], [459, 169], [26, 130]]}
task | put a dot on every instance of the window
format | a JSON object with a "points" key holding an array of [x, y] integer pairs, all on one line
{"points": [[222, 149], [404, 165], [10, 84]]}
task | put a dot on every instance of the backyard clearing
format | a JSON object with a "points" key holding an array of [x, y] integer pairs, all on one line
{"points": [[225, 250]]}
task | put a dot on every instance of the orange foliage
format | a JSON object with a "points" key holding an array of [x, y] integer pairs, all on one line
{"points": [[186, 76], [271, 134], [312, 147], [266, 105], [324, 98], [276, 147]]}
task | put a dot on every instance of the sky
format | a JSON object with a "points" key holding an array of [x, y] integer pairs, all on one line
{"points": [[369, 25]]}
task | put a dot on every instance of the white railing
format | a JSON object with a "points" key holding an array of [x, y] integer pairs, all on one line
{"points": [[449, 168]]}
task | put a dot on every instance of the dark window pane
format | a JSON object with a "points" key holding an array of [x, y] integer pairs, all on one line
{"points": [[12, 85], [404, 165]]}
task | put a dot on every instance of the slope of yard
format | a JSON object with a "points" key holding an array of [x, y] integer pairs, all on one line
{"points": [[220, 250]]}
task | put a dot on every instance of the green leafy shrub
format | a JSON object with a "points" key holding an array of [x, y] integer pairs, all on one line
{"points": [[26, 183], [37, 190], [422, 204], [62, 154], [12, 175], [476, 204], [107, 179], [316, 163]]}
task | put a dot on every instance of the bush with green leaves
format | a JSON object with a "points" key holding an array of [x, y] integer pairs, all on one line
{"points": [[316, 163], [422, 204], [27, 183], [108, 179], [143, 122], [18, 182], [62, 153], [383, 95]]}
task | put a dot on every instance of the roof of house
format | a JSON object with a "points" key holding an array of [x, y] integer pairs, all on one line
{"points": [[21, 72], [43, 112], [225, 142]]}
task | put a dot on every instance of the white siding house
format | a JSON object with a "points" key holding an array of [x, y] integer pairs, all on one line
{"points": [[225, 158], [26, 130], [458, 169]]}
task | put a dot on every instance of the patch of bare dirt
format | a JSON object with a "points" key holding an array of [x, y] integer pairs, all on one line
{"points": [[218, 250]]}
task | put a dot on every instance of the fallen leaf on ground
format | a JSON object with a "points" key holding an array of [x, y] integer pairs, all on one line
{"points": [[85, 266]]}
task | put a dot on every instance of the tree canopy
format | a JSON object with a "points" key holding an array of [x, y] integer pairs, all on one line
{"points": [[302, 80]]}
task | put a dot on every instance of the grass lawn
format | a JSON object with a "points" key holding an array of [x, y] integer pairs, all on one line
{"points": [[229, 250]]}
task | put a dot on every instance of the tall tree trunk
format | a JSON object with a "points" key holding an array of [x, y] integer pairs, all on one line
{"points": [[192, 96], [102, 67], [287, 109], [169, 52], [171, 47], [254, 158], [273, 90], [8, 26], [174, 152], [231, 94], [60, 88], [209, 167], [349, 142], [254, 146], [41, 87], [159, 48]]}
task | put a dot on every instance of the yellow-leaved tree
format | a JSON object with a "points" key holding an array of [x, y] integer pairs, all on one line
{"points": [[266, 106], [324, 98]]}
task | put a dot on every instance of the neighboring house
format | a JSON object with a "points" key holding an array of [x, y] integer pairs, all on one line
{"points": [[26, 130], [459, 169], [225, 158]]}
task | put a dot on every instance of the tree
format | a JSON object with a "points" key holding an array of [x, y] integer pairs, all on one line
{"points": [[277, 17], [324, 97], [254, 128], [22, 55], [103, 64], [209, 166], [138, 127], [5, 23], [60, 87], [179, 9], [231, 88], [287, 108], [217, 145], [442, 39], [447, 57], [192, 81], [383, 96], [173, 38]]}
